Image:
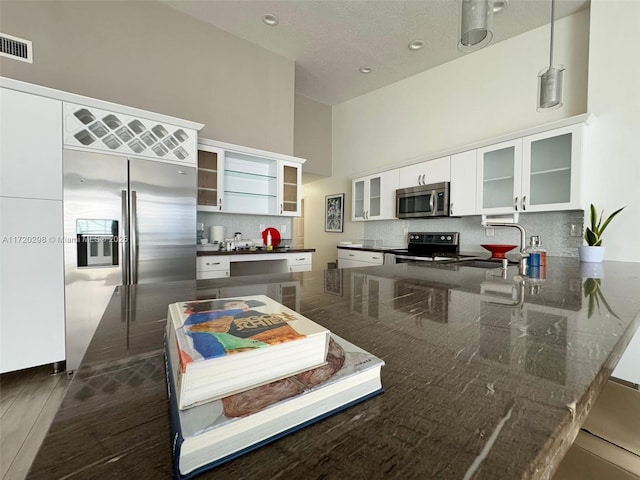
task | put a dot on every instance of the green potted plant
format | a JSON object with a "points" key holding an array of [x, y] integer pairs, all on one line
{"points": [[594, 250]]}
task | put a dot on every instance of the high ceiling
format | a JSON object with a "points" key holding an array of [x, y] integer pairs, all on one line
{"points": [[331, 39]]}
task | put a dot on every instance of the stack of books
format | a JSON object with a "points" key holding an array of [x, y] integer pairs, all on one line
{"points": [[245, 371]]}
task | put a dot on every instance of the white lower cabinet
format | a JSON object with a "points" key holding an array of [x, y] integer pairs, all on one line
{"points": [[212, 266], [299, 262], [350, 258], [237, 265], [31, 283]]}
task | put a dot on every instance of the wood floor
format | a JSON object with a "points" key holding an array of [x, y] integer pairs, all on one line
{"points": [[29, 400]]}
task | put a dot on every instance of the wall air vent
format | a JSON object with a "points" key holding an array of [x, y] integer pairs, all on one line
{"points": [[16, 48]]}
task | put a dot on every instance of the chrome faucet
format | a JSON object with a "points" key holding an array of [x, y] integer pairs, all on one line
{"points": [[523, 241]]}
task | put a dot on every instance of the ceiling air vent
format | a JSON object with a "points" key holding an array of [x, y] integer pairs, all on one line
{"points": [[16, 48]]}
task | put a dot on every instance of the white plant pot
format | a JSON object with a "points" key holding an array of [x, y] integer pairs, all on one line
{"points": [[591, 254], [591, 270]]}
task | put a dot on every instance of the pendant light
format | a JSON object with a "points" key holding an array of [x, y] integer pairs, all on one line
{"points": [[475, 16], [550, 79], [474, 25]]}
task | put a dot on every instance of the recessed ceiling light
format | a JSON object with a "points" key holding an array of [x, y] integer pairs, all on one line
{"points": [[365, 70], [416, 45], [270, 19]]}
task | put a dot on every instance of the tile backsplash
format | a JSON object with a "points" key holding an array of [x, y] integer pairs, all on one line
{"points": [[553, 228], [249, 225]]}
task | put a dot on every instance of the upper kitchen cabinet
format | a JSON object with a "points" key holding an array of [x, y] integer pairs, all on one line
{"points": [[210, 178], [550, 170], [424, 173], [289, 188], [462, 191], [236, 179], [31, 147], [531, 174], [374, 196], [499, 171], [112, 131]]}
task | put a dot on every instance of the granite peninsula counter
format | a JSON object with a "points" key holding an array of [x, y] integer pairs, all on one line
{"points": [[486, 377]]}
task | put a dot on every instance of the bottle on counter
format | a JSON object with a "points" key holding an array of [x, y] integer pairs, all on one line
{"points": [[269, 245], [543, 254], [533, 259]]}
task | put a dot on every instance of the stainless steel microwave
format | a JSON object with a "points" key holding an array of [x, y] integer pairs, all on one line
{"points": [[423, 201]]}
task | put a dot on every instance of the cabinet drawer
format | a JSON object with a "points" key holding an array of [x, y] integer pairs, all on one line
{"points": [[299, 259], [212, 274], [212, 263], [300, 268], [375, 258]]}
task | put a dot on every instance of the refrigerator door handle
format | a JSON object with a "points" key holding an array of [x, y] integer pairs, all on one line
{"points": [[133, 221], [124, 242]]}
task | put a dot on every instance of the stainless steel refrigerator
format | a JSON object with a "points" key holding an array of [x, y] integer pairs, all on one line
{"points": [[126, 221]]}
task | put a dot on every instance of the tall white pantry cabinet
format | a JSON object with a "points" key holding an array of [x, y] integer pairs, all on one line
{"points": [[31, 222]]}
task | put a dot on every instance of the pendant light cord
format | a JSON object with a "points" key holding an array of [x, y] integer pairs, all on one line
{"points": [[551, 47]]}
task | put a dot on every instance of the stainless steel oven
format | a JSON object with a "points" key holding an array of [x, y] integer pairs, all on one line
{"points": [[424, 201]]}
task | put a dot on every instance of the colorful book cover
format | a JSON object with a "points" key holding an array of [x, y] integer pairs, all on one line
{"points": [[216, 432], [214, 328]]}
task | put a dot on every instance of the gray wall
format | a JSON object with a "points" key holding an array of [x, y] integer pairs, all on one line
{"points": [[147, 55], [312, 135]]}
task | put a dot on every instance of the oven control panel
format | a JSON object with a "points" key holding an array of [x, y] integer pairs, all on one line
{"points": [[434, 238]]}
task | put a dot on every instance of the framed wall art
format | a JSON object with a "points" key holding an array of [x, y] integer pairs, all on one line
{"points": [[334, 213]]}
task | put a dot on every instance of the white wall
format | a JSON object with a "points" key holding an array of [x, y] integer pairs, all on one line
{"points": [[484, 94], [611, 153], [150, 56]]}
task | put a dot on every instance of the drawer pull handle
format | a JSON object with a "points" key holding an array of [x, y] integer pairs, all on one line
{"points": [[299, 259], [217, 263], [351, 255]]}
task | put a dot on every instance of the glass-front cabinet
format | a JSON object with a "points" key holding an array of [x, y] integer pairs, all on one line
{"points": [[499, 176], [373, 197], [210, 178], [550, 166], [236, 179], [290, 175], [531, 174]]}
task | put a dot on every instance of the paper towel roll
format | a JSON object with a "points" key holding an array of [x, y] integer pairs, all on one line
{"points": [[216, 233]]}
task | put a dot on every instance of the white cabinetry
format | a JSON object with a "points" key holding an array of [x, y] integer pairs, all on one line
{"points": [[551, 170], [534, 173], [289, 188], [210, 178], [499, 173], [350, 258], [235, 179], [462, 193], [299, 262], [111, 131], [374, 196], [31, 248], [221, 266], [424, 173], [212, 266]]}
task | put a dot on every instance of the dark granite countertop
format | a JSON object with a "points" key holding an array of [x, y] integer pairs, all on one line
{"points": [[202, 253], [485, 377]]}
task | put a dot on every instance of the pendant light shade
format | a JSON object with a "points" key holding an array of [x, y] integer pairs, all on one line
{"points": [[550, 79], [474, 25]]}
